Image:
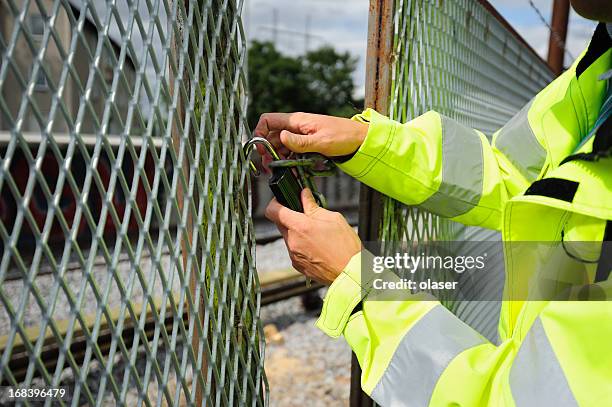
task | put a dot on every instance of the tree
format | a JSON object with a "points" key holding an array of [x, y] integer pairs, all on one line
{"points": [[330, 82], [319, 82]]}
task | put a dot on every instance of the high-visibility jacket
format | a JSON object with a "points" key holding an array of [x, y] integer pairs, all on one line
{"points": [[550, 353]]}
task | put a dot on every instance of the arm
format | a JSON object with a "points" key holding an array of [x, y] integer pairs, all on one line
{"points": [[432, 161], [417, 353], [435, 162], [414, 352], [446, 168], [440, 165]]}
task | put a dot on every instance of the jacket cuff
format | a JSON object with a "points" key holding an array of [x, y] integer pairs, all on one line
{"points": [[376, 143], [342, 297]]}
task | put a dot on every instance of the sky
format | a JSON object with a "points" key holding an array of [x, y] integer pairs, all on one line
{"points": [[343, 24]]}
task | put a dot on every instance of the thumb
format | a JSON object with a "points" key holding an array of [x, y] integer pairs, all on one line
{"points": [[308, 201], [298, 143]]}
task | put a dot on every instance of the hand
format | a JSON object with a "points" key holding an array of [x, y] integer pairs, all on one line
{"points": [[320, 242], [310, 133]]}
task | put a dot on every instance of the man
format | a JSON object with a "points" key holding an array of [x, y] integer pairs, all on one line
{"points": [[546, 176]]}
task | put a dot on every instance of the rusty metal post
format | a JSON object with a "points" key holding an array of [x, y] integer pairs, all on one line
{"points": [[377, 96], [558, 35]]}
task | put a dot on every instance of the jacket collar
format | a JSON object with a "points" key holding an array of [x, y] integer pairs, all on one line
{"points": [[598, 47]]}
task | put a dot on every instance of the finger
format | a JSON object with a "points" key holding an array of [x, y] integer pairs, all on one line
{"points": [[308, 201], [273, 137], [265, 158], [271, 122], [282, 216], [299, 143], [281, 150]]}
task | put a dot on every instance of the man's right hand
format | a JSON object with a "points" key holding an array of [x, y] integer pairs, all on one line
{"points": [[310, 133]]}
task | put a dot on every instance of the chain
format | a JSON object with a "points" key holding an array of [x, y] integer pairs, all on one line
{"points": [[555, 35]]}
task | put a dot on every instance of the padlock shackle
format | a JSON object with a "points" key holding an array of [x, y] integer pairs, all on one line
{"points": [[248, 147]]}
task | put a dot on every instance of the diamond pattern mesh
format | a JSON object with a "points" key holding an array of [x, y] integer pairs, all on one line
{"points": [[126, 269]]}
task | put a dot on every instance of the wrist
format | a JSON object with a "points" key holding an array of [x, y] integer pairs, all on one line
{"points": [[361, 132], [356, 138]]}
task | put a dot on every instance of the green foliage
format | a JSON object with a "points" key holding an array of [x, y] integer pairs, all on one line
{"points": [[329, 80], [318, 82]]}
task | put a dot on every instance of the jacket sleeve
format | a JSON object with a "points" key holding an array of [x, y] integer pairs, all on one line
{"points": [[417, 353], [440, 165]]}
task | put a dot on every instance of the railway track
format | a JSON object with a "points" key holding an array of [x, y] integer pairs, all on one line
{"points": [[274, 287]]}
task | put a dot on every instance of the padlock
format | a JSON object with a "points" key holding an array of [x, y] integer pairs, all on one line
{"points": [[284, 184]]}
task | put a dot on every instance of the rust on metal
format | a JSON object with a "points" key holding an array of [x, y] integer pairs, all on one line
{"points": [[379, 62], [379, 55], [558, 35]]}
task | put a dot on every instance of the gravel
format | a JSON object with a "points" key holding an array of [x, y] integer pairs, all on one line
{"points": [[128, 390], [306, 367], [272, 257], [20, 293]]}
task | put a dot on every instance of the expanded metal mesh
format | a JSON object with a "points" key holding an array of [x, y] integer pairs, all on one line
{"points": [[460, 59], [127, 271]]}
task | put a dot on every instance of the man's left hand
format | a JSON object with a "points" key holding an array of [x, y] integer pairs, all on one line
{"points": [[320, 242]]}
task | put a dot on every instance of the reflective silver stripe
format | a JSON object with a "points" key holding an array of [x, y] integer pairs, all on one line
{"points": [[536, 378], [519, 144], [462, 171], [421, 357]]}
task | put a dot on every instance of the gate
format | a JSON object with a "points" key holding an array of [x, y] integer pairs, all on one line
{"points": [[127, 250]]}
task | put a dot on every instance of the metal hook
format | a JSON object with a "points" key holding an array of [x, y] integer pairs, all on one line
{"points": [[248, 147]]}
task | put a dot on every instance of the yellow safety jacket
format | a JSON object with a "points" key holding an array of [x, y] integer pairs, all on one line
{"points": [[540, 179]]}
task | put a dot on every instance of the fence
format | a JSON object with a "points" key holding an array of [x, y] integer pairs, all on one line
{"points": [[127, 271], [463, 60]]}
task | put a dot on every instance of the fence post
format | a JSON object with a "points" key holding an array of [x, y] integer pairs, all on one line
{"points": [[377, 96], [558, 35]]}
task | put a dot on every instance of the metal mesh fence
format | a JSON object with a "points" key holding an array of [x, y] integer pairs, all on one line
{"points": [[126, 271], [460, 59]]}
